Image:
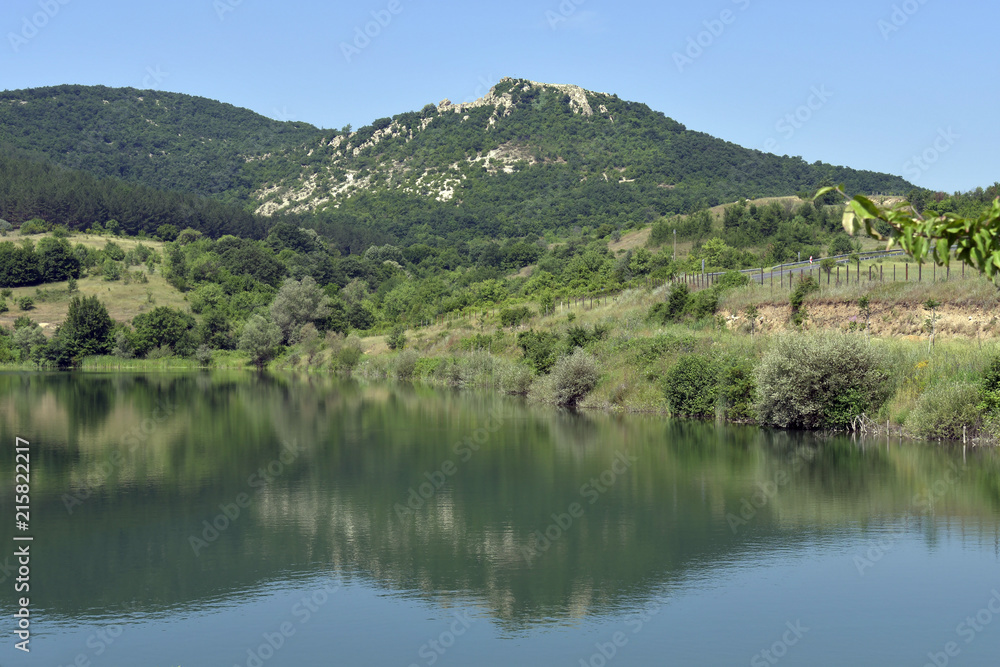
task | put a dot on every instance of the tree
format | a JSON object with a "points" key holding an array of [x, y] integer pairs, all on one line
{"points": [[260, 339], [573, 377], [752, 312], [87, 329], [298, 303], [164, 326], [56, 260], [865, 306], [931, 323]]}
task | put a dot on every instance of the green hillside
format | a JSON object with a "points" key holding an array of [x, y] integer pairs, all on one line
{"points": [[526, 159]]}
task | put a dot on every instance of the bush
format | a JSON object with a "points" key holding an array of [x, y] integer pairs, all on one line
{"points": [[737, 391], [3, 306], [806, 286], [672, 309], [573, 377], [405, 365], [512, 317], [540, 349], [25, 303], [704, 303], [349, 354], [691, 386], [397, 339], [733, 279], [203, 355], [581, 336], [515, 379], [821, 381], [947, 412]]}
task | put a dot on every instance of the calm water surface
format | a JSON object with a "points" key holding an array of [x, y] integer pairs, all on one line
{"points": [[225, 520]]}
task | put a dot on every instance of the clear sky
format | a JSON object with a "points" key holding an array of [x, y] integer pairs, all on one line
{"points": [[905, 87]]}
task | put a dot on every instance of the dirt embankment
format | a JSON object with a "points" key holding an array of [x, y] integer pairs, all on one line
{"points": [[886, 320]]}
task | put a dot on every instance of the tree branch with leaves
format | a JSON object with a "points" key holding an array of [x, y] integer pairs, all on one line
{"points": [[976, 240]]}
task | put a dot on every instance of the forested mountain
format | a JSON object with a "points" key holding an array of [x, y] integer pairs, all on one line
{"points": [[525, 159], [165, 140]]}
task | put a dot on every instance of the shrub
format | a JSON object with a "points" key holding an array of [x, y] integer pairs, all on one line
{"points": [[539, 349], [573, 377], [515, 379], [947, 412], [349, 354], [737, 391], [3, 306], [733, 279], [691, 386], [704, 303], [581, 336], [123, 347], [806, 286], [203, 355], [512, 317], [821, 381], [25, 303], [672, 309], [397, 339], [405, 365]]}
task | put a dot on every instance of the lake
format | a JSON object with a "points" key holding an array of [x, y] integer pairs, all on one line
{"points": [[231, 519]]}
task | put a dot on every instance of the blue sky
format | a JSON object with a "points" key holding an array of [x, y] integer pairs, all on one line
{"points": [[905, 87]]}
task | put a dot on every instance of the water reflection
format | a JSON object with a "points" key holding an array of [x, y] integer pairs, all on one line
{"points": [[166, 492]]}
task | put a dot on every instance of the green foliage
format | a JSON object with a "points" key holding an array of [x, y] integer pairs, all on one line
{"points": [[87, 329], [297, 303], [673, 308], [577, 336], [841, 245], [349, 354], [820, 381], [56, 260], [3, 306], [513, 317], [34, 226], [691, 386], [738, 391], [164, 326], [397, 339], [259, 340], [111, 270], [976, 237], [25, 303], [806, 286], [540, 349], [405, 365], [947, 412], [573, 377], [167, 232]]}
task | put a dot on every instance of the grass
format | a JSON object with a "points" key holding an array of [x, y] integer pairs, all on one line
{"points": [[122, 301]]}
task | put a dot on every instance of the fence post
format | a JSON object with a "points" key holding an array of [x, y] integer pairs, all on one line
{"points": [[920, 272]]}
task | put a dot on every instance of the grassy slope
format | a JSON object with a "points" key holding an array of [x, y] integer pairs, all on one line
{"points": [[122, 301]]}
